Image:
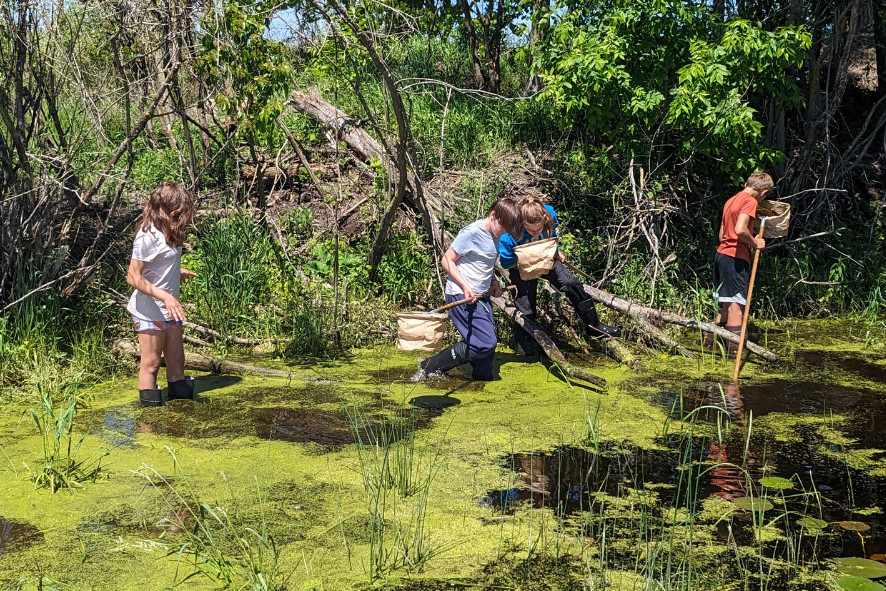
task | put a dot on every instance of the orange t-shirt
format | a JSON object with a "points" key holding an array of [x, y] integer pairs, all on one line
{"points": [[738, 204]]}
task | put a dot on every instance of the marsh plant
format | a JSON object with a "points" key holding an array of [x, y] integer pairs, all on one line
{"points": [[60, 466], [220, 542], [397, 477]]}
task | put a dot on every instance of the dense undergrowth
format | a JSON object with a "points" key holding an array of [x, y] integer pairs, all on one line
{"points": [[310, 294]]}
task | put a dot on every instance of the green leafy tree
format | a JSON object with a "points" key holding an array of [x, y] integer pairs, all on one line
{"points": [[253, 73], [666, 79]]}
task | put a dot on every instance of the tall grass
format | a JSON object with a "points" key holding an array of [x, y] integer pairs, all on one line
{"points": [[220, 543], [397, 478], [234, 262], [60, 466]]}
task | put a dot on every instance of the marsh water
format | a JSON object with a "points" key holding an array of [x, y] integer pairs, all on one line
{"points": [[670, 478]]}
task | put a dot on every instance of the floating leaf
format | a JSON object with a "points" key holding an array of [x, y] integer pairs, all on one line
{"points": [[854, 525], [878, 557], [852, 583], [776, 482], [812, 523], [752, 504], [861, 567]]}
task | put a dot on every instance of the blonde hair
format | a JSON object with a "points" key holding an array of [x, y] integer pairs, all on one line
{"points": [[533, 211], [759, 181], [507, 212], [170, 209]]}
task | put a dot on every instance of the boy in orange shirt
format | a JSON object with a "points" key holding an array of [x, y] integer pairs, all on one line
{"points": [[733, 257]]}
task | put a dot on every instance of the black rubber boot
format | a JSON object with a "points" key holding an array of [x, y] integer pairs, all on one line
{"points": [[152, 397], [588, 314], [182, 389], [443, 361], [525, 348]]}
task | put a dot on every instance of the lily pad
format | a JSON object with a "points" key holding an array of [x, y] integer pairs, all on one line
{"points": [[776, 482], [861, 567], [812, 523], [854, 525], [752, 504], [852, 583]]}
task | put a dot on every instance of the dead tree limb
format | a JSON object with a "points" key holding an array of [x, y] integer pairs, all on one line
{"points": [[220, 366], [136, 131], [656, 334], [346, 128], [633, 310], [545, 342], [611, 346]]}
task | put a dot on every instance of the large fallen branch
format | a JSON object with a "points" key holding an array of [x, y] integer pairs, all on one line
{"points": [[654, 333], [221, 366], [611, 346], [346, 128], [633, 310], [545, 342]]}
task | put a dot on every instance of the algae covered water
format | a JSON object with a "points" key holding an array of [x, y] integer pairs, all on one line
{"points": [[671, 479]]}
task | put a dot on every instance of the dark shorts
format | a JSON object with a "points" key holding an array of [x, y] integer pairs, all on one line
{"points": [[731, 279]]}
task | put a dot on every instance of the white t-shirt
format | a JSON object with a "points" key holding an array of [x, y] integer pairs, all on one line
{"points": [[478, 251], [162, 269]]}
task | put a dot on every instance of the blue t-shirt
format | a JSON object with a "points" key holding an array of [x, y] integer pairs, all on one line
{"points": [[477, 250], [507, 243]]}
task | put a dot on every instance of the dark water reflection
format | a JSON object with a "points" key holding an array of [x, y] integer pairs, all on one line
{"points": [[566, 478], [17, 535]]}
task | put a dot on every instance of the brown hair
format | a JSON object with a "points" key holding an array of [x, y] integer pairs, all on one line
{"points": [[507, 212], [170, 209], [534, 212], [759, 181]]}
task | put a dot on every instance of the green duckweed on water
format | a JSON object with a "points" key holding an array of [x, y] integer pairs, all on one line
{"points": [[525, 482]]}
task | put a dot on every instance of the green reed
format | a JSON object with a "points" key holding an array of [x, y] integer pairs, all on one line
{"points": [[60, 467], [397, 477], [233, 549]]}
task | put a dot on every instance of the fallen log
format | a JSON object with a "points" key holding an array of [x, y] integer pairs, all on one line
{"points": [[346, 128], [619, 351], [195, 341], [611, 346], [220, 366], [545, 342], [656, 334], [633, 310]]}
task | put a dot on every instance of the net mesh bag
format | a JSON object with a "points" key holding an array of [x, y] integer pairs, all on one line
{"points": [[534, 259], [778, 217], [420, 331]]}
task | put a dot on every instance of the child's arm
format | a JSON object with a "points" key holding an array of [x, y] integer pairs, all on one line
{"points": [[448, 263], [744, 233], [135, 279], [506, 255], [186, 274]]}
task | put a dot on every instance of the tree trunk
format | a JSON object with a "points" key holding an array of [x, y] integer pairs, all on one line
{"points": [[479, 77], [633, 310], [222, 366]]}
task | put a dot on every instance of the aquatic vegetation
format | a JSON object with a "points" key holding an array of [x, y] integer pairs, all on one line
{"points": [[60, 466], [397, 479], [220, 542]]}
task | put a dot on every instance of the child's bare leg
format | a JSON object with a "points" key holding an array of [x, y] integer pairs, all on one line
{"points": [[151, 344], [175, 354], [734, 314]]}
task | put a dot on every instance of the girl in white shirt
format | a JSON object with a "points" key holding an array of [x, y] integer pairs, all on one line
{"points": [[156, 274]]}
